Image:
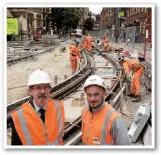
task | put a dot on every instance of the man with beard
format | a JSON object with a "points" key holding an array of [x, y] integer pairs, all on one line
{"points": [[101, 124], [41, 120]]}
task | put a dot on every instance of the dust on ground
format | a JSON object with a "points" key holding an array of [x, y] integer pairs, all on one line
{"points": [[54, 62]]}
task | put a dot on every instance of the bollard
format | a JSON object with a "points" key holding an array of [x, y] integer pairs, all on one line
{"points": [[121, 97], [121, 102], [65, 77], [120, 83], [126, 90], [56, 79]]}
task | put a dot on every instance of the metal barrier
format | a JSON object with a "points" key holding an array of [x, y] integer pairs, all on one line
{"points": [[129, 38]]}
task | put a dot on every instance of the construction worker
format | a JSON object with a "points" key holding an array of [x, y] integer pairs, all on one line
{"points": [[134, 66], [41, 120], [89, 41], [74, 56], [105, 43], [101, 124]]}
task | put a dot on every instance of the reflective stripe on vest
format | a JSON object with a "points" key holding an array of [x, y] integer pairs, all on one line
{"points": [[105, 128], [59, 121], [25, 129]]}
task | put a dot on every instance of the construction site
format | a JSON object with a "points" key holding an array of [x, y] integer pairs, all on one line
{"points": [[51, 54]]}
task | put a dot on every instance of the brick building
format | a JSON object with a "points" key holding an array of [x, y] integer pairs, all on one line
{"points": [[107, 18], [140, 17]]}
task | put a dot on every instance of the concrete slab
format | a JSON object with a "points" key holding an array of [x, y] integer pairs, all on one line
{"points": [[72, 112], [139, 122], [147, 135]]}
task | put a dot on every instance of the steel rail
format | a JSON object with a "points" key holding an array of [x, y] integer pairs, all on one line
{"points": [[60, 90]]}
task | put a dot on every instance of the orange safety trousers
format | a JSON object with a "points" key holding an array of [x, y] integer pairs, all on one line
{"points": [[74, 64], [84, 44], [105, 45], [89, 40], [106, 48], [74, 53], [135, 88]]}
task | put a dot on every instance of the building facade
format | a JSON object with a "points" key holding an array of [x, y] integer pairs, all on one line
{"points": [[84, 14], [140, 17], [107, 18], [31, 18]]}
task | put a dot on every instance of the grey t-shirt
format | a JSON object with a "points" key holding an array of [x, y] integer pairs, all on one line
{"points": [[119, 132]]}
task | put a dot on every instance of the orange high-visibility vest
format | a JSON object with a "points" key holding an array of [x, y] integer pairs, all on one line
{"points": [[74, 52], [96, 128], [131, 64], [105, 40], [31, 129]]}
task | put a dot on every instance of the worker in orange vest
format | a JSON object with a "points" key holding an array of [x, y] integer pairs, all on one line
{"points": [[74, 56], [41, 120], [105, 43], [137, 69], [89, 40], [101, 124]]}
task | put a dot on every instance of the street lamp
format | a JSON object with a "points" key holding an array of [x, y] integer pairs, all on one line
{"points": [[20, 19]]}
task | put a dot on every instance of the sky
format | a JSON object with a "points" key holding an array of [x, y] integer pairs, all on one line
{"points": [[95, 10]]}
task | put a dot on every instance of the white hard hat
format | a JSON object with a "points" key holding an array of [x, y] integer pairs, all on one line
{"points": [[94, 80], [38, 77]]}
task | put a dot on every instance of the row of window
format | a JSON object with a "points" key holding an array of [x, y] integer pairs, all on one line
{"points": [[110, 20], [134, 11], [108, 13]]}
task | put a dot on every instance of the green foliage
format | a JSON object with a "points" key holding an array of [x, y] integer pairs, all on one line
{"points": [[88, 24], [66, 18], [57, 17]]}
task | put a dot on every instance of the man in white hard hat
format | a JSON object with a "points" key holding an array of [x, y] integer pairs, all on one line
{"points": [[101, 124], [41, 120]]}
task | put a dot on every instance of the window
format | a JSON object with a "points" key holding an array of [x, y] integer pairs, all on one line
{"points": [[144, 28], [135, 11], [127, 13], [132, 12], [140, 28]]}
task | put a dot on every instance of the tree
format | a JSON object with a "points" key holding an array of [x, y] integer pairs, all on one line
{"points": [[71, 19], [57, 17], [66, 18], [88, 24]]}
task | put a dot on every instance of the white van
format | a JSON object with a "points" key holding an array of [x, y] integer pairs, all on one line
{"points": [[78, 33]]}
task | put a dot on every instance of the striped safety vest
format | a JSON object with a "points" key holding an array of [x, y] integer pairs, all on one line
{"points": [[96, 127], [31, 129]]}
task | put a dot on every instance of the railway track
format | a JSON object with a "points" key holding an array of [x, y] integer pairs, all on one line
{"points": [[27, 51], [62, 89], [72, 134]]}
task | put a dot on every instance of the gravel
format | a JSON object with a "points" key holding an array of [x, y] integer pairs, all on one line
{"points": [[55, 63]]}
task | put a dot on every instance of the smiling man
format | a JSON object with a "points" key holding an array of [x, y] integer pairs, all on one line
{"points": [[41, 120], [101, 124]]}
